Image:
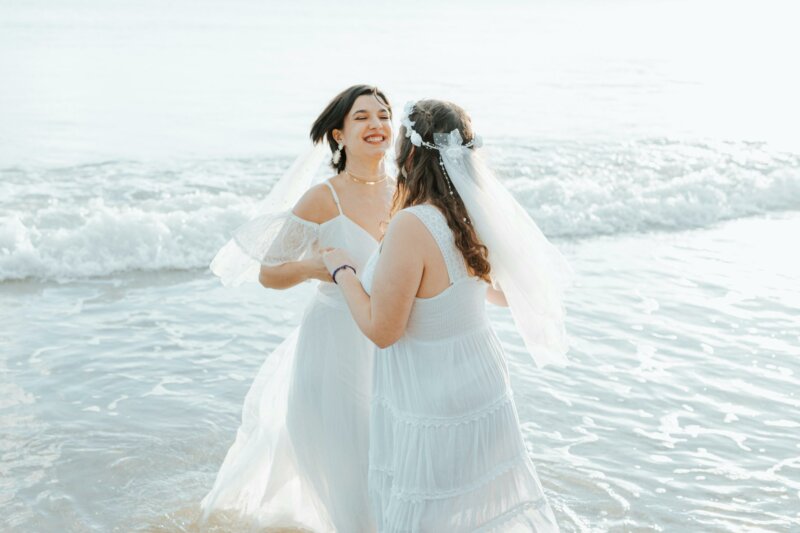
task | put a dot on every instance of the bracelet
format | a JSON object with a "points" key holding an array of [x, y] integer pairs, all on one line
{"points": [[333, 274]]}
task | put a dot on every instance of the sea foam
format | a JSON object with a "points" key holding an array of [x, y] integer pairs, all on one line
{"points": [[97, 220]]}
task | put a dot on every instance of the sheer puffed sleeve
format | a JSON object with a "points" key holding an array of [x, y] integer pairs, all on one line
{"points": [[267, 240]]}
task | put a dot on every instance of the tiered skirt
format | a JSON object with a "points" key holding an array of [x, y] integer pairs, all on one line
{"points": [[446, 450]]}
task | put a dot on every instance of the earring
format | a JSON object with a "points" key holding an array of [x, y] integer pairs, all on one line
{"points": [[337, 155]]}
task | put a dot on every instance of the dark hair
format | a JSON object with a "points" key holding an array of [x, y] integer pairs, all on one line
{"points": [[425, 181], [332, 118]]}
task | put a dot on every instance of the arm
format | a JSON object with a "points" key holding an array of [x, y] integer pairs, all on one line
{"points": [[383, 316], [315, 206], [290, 274]]}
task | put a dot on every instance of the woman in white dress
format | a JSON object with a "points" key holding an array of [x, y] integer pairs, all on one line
{"points": [[446, 450], [300, 457]]}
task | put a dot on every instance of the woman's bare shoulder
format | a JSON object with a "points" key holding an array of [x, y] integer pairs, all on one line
{"points": [[316, 205]]}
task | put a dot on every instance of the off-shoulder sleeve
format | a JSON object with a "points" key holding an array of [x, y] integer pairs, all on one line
{"points": [[268, 240]]}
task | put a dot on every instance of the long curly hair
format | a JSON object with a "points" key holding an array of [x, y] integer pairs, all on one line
{"points": [[332, 118], [422, 179]]}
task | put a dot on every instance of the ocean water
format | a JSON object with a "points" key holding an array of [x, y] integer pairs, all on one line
{"points": [[656, 144]]}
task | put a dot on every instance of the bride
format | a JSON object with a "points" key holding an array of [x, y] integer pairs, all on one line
{"points": [[300, 457], [446, 451]]}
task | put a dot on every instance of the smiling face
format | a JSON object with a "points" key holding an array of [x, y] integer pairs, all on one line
{"points": [[367, 130]]}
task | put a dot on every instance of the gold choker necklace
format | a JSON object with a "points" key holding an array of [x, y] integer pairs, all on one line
{"points": [[359, 179]]}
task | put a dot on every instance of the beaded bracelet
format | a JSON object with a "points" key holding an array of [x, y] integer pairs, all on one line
{"points": [[333, 275]]}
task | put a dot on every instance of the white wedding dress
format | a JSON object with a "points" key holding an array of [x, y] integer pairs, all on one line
{"points": [[446, 452], [300, 458]]}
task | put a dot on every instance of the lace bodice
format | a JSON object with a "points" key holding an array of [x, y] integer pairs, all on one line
{"points": [[436, 223], [458, 309]]}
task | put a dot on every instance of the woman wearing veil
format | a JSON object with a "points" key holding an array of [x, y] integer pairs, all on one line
{"points": [[300, 458], [446, 449]]}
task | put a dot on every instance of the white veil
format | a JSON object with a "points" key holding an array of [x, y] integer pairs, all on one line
{"points": [[241, 258], [297, 179], [530, 271]]}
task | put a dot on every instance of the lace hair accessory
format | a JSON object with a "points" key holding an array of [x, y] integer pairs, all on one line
{"points": [[530, 271], [441, 141], [416, 138]]}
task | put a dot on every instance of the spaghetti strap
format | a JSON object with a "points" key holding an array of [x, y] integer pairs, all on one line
{"points": [[335, 196]]}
